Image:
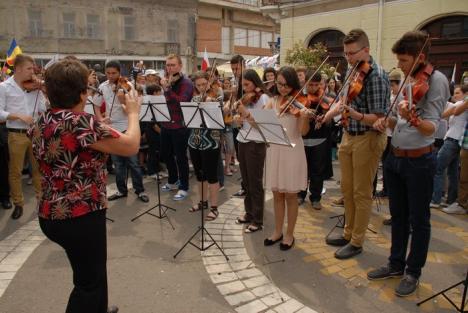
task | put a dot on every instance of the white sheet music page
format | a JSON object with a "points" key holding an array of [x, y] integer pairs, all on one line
{"points": [[89, 106], [158, 106], [271, 129], [213, 115]]}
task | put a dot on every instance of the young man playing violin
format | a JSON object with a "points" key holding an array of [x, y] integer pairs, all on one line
{"points": [[361, 146], [19, 106], [316, 141], [112, 93], [411, 163]]}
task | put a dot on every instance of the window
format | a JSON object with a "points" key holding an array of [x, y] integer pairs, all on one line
{"points": [[35, 23], [69, 25], [226, 40], [254, 38], [266, 38], [240, 37], [92, 26], [129, 28], [172, 31]]}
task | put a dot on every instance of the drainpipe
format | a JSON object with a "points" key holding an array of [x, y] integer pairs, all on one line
{"points": [[379, 32]]}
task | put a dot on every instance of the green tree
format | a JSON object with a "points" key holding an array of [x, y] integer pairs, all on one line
{"points": [[309, 57]]}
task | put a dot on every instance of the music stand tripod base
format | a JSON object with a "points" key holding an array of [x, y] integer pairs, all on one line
{"points": [[162, 209], [463, 303]]}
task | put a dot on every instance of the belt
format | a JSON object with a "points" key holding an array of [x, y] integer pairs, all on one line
{"points": [[355, 133], [412, 153], [18, 130]]}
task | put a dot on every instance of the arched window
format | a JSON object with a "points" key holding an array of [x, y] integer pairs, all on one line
{"points": [[449, 44], [333, 40]]}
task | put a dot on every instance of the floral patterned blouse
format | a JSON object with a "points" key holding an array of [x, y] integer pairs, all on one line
{"points": [[73, 178]]}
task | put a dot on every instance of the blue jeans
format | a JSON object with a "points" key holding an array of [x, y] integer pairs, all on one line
{"points": [[121, 165], [409, 186], [174, 144], [448, 159]]}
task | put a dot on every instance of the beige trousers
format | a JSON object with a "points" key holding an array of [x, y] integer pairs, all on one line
{"points": [[359, 158], [18, 145]]}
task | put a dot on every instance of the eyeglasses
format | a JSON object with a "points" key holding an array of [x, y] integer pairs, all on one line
{"points": [[170, 65], [350, 54], [281, 85]]}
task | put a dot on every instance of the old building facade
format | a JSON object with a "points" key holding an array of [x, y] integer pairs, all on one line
{"points": [[96, 31]]}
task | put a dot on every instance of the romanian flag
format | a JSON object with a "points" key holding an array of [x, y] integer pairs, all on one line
{"points": [[10, 57], [205, 62]]}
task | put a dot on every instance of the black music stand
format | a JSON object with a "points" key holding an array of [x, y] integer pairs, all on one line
{"points": [[154, 109], [463, 303], [203, 116], [269, 130]]}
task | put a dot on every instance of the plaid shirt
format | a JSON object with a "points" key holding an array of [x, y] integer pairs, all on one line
{"points": [[374, 98], [181, 91]]}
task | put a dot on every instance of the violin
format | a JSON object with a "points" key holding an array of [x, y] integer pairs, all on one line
{"points": [[123, 83], [173, 79], [319, 99], [34, 83], [294, 104], [415, 91], [355, 86]]}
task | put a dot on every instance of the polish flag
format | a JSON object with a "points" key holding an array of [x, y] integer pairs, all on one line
{"points": [[205, 62]]}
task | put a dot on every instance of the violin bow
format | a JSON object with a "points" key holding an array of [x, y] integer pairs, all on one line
{"points": [[413, 66], [210, 77], [302, 89], [323, 94]]}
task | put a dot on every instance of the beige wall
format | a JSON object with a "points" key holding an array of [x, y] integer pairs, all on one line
{"points": [[397, 18]]}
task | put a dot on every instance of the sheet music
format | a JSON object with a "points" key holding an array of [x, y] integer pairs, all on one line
{"points": [[154, 105], [269, 125], [212, 115]]}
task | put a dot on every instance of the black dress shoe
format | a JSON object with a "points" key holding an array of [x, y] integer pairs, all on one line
{"points": [[347, 252], [285, 247], [336, 240], [270, 242], [6, 204], [113, 309], [17, 212]]}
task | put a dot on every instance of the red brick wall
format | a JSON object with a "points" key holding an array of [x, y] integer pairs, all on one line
{"points": [[209, 35], [252, 51]]}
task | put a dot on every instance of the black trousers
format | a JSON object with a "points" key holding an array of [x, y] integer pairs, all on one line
{"points": [[154, 144], [85, 243], [174, 153], [205, 164], [4, 185], [252, 161], [317, 169]]}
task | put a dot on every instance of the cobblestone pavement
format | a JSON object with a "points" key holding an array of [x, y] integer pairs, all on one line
{"points": [[144, 277]]}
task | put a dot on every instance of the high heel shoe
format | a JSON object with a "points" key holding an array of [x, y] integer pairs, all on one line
{"points": [[269, 242]]}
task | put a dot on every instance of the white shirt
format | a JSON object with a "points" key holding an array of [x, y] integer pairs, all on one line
{"points": [[114, 108], [15, 100], [456, 124], [258, 105]]}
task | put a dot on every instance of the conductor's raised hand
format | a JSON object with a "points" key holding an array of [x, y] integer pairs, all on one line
{"points": [[132, 105]]}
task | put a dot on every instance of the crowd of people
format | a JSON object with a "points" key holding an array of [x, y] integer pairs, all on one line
{"points": [[420, 135]]}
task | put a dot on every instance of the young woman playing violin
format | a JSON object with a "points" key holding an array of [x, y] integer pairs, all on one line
{"points": [[411, 164], [251, 154], [204, 150], [286, 166], [316, 141]]}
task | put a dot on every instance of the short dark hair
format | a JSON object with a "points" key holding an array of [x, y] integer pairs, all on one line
{"points": [[464, 88], [21, 59], [356, 35], [268, 70], [65, 81], [411, 43], [113, 64], [290, 76], [237, 59], [151, 89], [316, 78]]}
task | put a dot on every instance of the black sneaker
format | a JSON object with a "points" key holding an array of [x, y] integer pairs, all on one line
{"points": [[407, 286], [383, 273], [240, 194], [116, 196], [336, 240]]}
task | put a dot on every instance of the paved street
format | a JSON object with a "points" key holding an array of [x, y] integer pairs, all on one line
{"points": [[144, 277]]}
